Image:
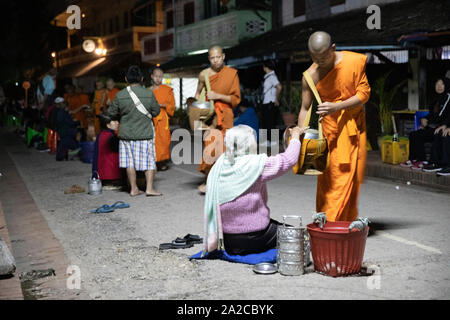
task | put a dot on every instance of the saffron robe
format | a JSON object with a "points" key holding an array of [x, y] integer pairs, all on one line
{"points": [[100, 97], [338, 187], [111, 95], [75, 101], [164, 96], [226, 82]]}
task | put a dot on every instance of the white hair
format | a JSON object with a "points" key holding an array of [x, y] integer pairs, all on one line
{"points": [[240, 141]]}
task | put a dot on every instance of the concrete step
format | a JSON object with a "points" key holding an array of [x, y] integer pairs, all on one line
{"points": [[376, 168]]}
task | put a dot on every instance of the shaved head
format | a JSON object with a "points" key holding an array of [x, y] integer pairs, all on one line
{"points": [[215, 48], [319, 42], [216, 57], [157, 76], [157, 70]]}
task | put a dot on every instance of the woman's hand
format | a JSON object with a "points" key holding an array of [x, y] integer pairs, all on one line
{"points": [[439, 129], [446, 132], [296, 132]]}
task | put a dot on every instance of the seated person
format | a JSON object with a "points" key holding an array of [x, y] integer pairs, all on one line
{"points": [[440, 150], [247, 115], [426, 132], [67, 130], [236, 196], [106, 153]]}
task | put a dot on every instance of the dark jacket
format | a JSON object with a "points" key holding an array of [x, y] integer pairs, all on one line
{"points": [[133, 124], [440, 111]]}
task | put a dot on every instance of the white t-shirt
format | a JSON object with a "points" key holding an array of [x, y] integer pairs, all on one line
{"points": [[269, 90]]}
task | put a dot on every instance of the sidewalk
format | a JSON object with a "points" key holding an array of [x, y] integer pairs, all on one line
{"points": [[376, 168], [34, 246]]}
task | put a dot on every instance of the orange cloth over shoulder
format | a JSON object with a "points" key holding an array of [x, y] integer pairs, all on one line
{"points": [[164, 96], [338, 187], [224, 82]]}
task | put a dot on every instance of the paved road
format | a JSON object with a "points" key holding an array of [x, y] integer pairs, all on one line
{"points": [[118, 255]]}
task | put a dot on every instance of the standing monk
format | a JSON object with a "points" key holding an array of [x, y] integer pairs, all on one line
{"points": [[166, 100], [226, 93], [99, 103], [342, 84], [112, 91]]}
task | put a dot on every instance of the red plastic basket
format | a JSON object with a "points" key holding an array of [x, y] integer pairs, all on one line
{"points": [[336, 251]]}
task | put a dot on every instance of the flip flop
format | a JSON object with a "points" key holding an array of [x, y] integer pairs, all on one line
{"points": [[191, 238], [120, 205], [175, 245], [103, 209]]}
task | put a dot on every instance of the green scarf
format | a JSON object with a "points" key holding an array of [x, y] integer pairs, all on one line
{"points": [[227, 181]]}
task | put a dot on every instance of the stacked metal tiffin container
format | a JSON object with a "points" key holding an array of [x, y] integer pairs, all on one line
{"points": [[293, 248]]}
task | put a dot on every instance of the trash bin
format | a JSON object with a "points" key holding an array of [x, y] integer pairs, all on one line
{"points": [[336, 251]]}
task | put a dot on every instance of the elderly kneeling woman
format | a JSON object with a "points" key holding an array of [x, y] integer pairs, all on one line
{"points": [[237, 218]]}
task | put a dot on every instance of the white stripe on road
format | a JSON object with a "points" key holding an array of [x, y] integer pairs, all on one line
{"points": [[408, 242], [198, 175]]}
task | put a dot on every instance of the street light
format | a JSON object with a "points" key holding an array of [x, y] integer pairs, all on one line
{"points": [[53, 54]]}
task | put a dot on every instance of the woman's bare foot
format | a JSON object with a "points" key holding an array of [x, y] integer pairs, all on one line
{"points": [[202, 188], [153, 193], [136, 193]]}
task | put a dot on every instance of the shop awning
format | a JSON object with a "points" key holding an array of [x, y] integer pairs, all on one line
{"points": [[97, 66], [349, 30]]}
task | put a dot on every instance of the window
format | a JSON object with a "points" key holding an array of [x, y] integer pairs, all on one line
{"points": [[336, 2], [169, 19], [212, 8], [299, 8], [144, 15], [166, 42], [125, 20], [189, 13], [117, 24]]}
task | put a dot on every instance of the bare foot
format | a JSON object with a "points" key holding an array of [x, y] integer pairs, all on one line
{"points": [[202, 188], [153, 193], [136, 193]]}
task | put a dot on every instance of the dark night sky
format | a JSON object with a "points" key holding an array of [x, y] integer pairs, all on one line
{"points": [[27, 38]]}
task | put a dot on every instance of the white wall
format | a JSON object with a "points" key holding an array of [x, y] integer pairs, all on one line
{"points": [[189, 89]]}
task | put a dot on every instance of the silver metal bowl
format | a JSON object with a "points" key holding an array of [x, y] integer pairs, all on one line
{"points": [[311, 134], [201, 104], [265, 268]]}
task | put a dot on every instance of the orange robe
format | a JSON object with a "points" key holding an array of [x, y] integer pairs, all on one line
{"points": [[100, 97], [164, 96], [75, 101], [111, 95], [338, 187], [224, 82]]}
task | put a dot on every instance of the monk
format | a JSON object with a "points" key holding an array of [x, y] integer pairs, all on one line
{"points": [[77, 102], [342, 84], [99, 103], [166, 100], [226, 94], [111, 93]]}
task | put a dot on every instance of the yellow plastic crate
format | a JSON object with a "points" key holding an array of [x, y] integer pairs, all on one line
{"points": [[395, 152]]}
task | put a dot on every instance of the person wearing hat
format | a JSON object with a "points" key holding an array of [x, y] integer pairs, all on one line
{"points": [[105, 163]]}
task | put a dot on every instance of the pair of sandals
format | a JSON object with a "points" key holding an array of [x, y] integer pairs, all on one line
{"points": [[187, 241], [107, 208]]}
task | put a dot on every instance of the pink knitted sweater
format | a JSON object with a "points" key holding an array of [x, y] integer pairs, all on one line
{"points": [[249, 212]]}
